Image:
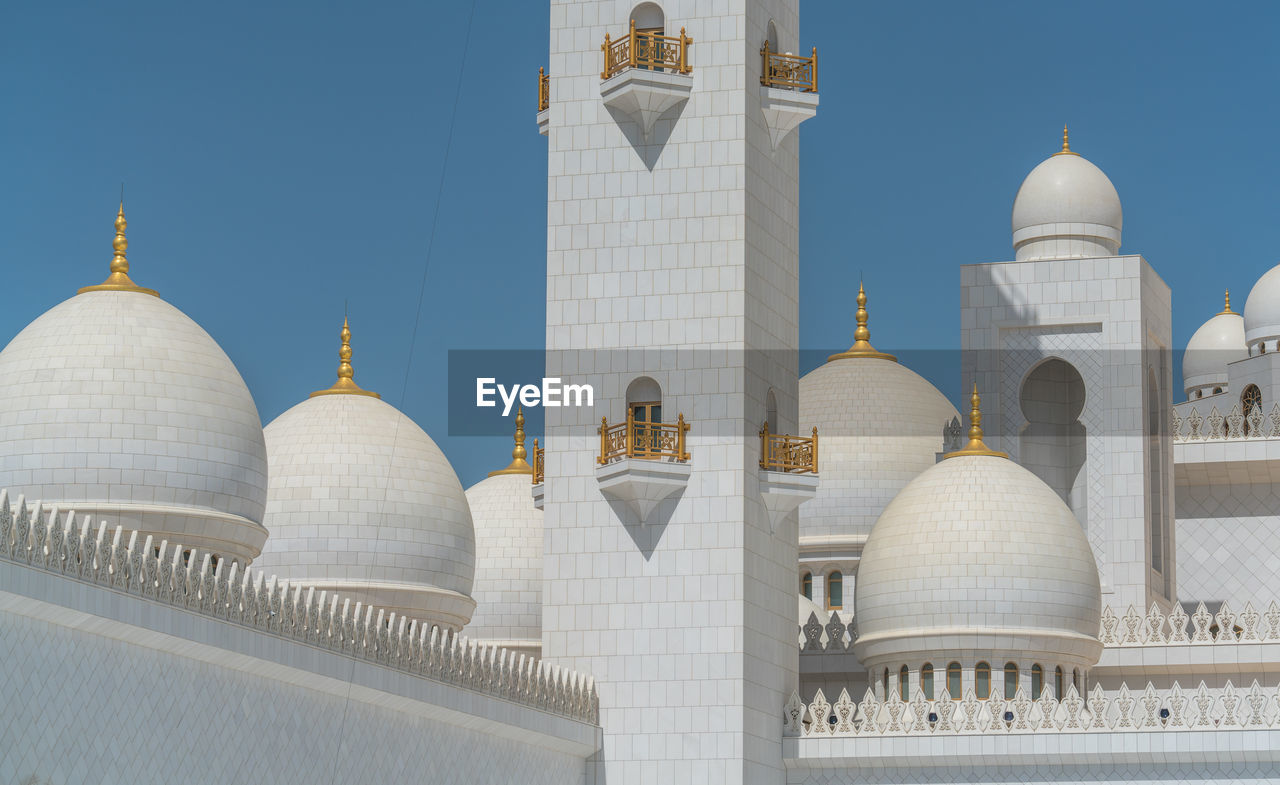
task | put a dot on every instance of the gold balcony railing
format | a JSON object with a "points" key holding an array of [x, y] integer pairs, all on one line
{"points": [[647, 440], [544, 89], [539, 468], [788, 70], [646, 49], [795, 454]]}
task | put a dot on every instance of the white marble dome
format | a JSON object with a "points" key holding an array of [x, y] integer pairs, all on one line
{"points": [[117, 405], [508, 582], [879, 425], [1262, 311], [362, 502], [977, 559], [1218, 342], [1066, 208]]}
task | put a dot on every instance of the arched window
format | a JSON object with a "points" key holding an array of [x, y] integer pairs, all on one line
{"points": [[806, 585], [1057, 682], [1053, 443], [835, 591], [1217, 391], [1250, 399], [886, 684], [1010, 680], [904, 681], [772, 37], [953, 681], [1037, 681], [648, 18], [644, 405], [982, 681], [771, 412], [926, 681]]}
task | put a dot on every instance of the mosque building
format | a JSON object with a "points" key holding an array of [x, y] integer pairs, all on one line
{"points": [[721, 571]]}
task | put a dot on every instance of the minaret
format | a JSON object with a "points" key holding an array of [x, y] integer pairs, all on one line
{"points": [[672, 288]]}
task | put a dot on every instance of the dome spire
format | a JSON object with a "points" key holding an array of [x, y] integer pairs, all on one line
{"points": [[518, 463], [346, 384], [1066, 144], [976, 446], [1226, 308], [119, 280], [862, 336]]}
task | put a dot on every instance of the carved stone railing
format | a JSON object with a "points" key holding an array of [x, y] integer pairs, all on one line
{"points": [[834, 636], [172, 575], [1152, 710], [1226, 626], [1235, 426]]}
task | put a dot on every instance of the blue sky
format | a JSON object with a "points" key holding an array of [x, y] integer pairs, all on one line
{"points": [[282, 158]]}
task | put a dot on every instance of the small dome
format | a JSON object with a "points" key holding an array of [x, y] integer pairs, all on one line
{"points": [[1262, 309], [1218, 342], [1067, 208], [977, 557], [117, 405], [508, 582], [879, 425], [362, 502]]}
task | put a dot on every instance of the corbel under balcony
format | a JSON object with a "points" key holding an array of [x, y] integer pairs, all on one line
{"points": [[783, 492], [788, 91], [788, 473], [644, 96], [642, 463], [641, 483]]}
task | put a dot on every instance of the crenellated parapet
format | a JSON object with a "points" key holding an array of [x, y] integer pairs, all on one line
{"points": [[1151, 710], [168, 573], [1189, 425], [1226, 627]]}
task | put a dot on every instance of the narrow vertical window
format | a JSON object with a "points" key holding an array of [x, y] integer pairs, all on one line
{"points": [[982, 681], [1075, 679], [1010, 680], [1057, 682], [953, 681], [926, 681], [806, 585], [904, 681], [835, 591], [886, 684], [1037, 681]]}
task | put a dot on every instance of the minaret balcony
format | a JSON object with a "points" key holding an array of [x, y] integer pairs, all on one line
{"points": [[788, 473], [539, 469], [788, 91], [544, 101], [646, 74], [642, 463]]}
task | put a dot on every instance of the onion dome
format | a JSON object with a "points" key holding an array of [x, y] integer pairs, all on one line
{"points": [[362, 502], [1217, 343], [881, 425], [977, 559], [508, 584], [1066, 209], [117, 405], [1262, 313]]}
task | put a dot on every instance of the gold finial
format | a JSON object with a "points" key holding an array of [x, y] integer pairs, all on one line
{"points": [[518, 463], [119, 280], [1066, 144], [346, 384], [976, 446], [1226, 308], [862, 336]]}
